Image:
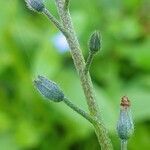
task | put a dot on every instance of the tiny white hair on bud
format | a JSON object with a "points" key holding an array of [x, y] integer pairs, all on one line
{"points": [[49, 89]]}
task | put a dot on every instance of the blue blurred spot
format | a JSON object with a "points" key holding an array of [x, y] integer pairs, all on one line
{"points": [[60, 43]]}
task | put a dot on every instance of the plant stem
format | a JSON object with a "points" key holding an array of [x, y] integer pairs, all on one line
{"points": [[84, 78], [89, 62], [55, 21], [66, 6], [124, 144], [78, 110], [102, 136], [78, 58], [99, 128]]}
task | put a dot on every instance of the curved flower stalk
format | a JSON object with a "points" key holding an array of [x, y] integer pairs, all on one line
{"points": [[66, 27]]}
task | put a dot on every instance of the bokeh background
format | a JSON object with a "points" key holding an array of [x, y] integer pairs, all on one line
{"points": [[31, 45]]}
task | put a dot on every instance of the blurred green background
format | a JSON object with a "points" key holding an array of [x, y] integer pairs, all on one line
{"points": [[30, 45]]}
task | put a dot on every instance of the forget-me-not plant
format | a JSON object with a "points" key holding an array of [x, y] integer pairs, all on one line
{"points": [[50, 90]]}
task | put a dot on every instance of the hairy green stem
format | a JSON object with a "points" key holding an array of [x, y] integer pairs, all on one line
{"points": [[66, 5], [78, 110], [89, 62], [78, 58], [84, 78], [102, 136], [124, 144]]}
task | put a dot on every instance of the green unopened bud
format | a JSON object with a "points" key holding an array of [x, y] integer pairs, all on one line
{"points": [[125, 126], [49, 89], [95, 42], [35, 5]]}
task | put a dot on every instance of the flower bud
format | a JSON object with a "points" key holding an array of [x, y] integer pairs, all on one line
{"points": [[125, 126], [95, 42], [49, 89], [35, 5]]}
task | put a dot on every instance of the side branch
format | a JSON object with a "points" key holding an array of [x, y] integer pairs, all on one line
{"points": [[89, 62], [47, 13], [79, 110]]}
